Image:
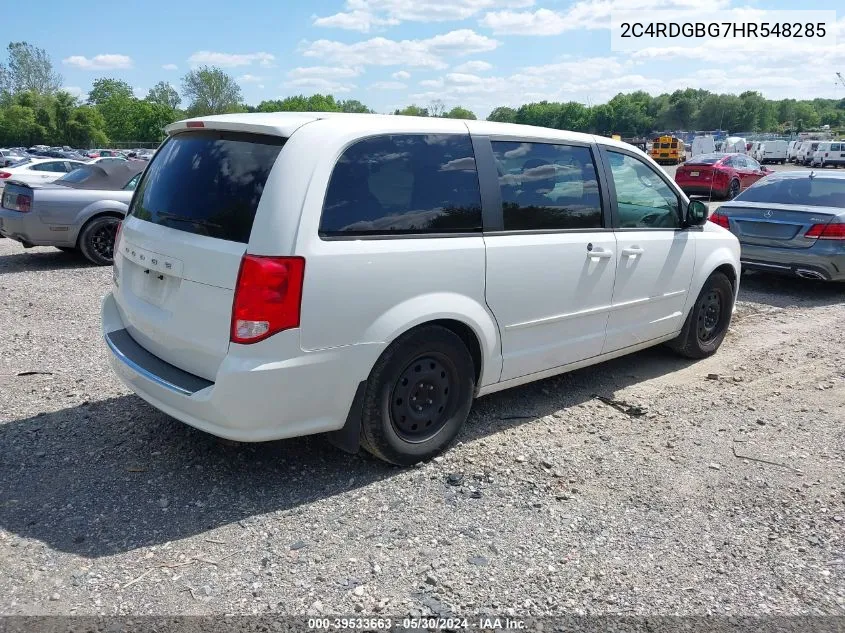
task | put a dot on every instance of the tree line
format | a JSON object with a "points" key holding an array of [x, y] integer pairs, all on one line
{"points": [[35, 109]]}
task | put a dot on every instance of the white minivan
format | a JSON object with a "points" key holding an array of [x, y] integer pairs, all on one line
{"points": [[368, 276]]}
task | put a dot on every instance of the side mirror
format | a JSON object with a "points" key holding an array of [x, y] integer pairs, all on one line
{"points": [[697, 213]]}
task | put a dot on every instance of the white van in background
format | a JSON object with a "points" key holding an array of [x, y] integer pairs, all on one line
{"points": [[734, 145], [772, 152], [829, 153], [703, 145], [792, 150], [755, 150], [805, 152]]}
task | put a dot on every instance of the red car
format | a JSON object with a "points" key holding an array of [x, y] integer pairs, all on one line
{"points": [[722, 175]]}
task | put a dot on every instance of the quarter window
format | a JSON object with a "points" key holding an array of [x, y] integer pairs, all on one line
{"points": [[643, 198], [547, 187], [404, 184]]}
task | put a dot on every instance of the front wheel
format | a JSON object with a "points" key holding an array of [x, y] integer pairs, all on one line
{"points": [[708, 321], [96, 240], [418, 396]]}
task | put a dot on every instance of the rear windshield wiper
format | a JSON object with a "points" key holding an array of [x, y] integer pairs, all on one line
{"points": [[177, 218]]}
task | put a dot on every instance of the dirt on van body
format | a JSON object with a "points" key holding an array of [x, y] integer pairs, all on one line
{"points": [[645, 485]]}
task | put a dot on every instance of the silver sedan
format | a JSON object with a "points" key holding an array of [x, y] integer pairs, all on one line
{"points": [[791, 222]]}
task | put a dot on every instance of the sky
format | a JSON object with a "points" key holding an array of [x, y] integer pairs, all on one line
{"points": [[390, 53]]}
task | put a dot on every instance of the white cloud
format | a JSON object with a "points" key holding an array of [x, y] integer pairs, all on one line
{"points": [[327, 72], [585, 14], [365, 15], [388, 85], [250, 79], [74, 91], [464, 78], [380, 51], [231, 60], [432, 83], [170, 67], [99, 62], [402, 75], [261, 86], [475, 66], [320, 84]]}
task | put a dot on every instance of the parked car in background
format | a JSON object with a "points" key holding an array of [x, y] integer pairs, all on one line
{"points": [[754, 150], [829, 154], [772, 152], [8, 157], [37, 170], [247, 231], [80, 210], [719, 175], [734, 144], [791, 223], [805, 152], [107, 160]]}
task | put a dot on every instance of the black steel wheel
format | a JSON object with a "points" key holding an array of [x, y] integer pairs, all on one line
{"points": [[733, 189], [421, 402], [418, 396], [708, 321], [709, 315], [96, 240]]}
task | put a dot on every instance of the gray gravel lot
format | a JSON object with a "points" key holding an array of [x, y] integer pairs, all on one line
{"points": [[726, 496]]}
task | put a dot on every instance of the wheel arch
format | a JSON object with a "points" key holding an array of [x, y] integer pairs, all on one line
{"points": [[100, 213], [466, 317]]}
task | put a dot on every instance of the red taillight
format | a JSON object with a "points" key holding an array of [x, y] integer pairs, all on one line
{"points": [[826, 232], [721, 220], [18, 202], [5, 174], [195, 124], [268, 297]]}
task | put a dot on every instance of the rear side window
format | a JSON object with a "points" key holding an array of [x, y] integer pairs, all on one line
{"points": [[403, 184], [835, 147], [546, 186], [207, 183]]}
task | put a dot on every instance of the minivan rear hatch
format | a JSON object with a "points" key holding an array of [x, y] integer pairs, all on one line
{"points": [[180, 248]]}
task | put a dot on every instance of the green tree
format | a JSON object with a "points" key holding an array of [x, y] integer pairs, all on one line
{"points": [[165, 95], [412, 110], [460, 113], [29, 69], [105, 88], [353, 105], [64, 105], [209, 90], [85, 128], [502, 114], [20, 126]]}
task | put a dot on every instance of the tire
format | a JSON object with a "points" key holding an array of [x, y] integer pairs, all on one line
{"points": [[701, 335], [96, 240], [733, 190], [397, 431]]}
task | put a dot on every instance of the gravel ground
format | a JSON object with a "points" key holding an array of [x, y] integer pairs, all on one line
{"points": [[723, 494]]}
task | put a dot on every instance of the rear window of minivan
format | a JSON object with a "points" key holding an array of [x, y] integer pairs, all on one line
{"points": [[207, 182]]}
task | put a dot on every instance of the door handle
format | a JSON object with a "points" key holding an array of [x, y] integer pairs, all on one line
{"points": [[632, 251], [596, 255]]}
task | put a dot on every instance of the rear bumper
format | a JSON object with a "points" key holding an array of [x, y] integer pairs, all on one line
{"points": [[702, 190], [827, 262], [254, 398], [28, 229]]}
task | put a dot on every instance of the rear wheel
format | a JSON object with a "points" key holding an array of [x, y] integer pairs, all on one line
{"points": [[733, 189], [708, 321], [418, 396], [96, 240]]}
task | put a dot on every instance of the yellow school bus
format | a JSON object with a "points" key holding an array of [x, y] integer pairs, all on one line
{"points": [[668, 150]]}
